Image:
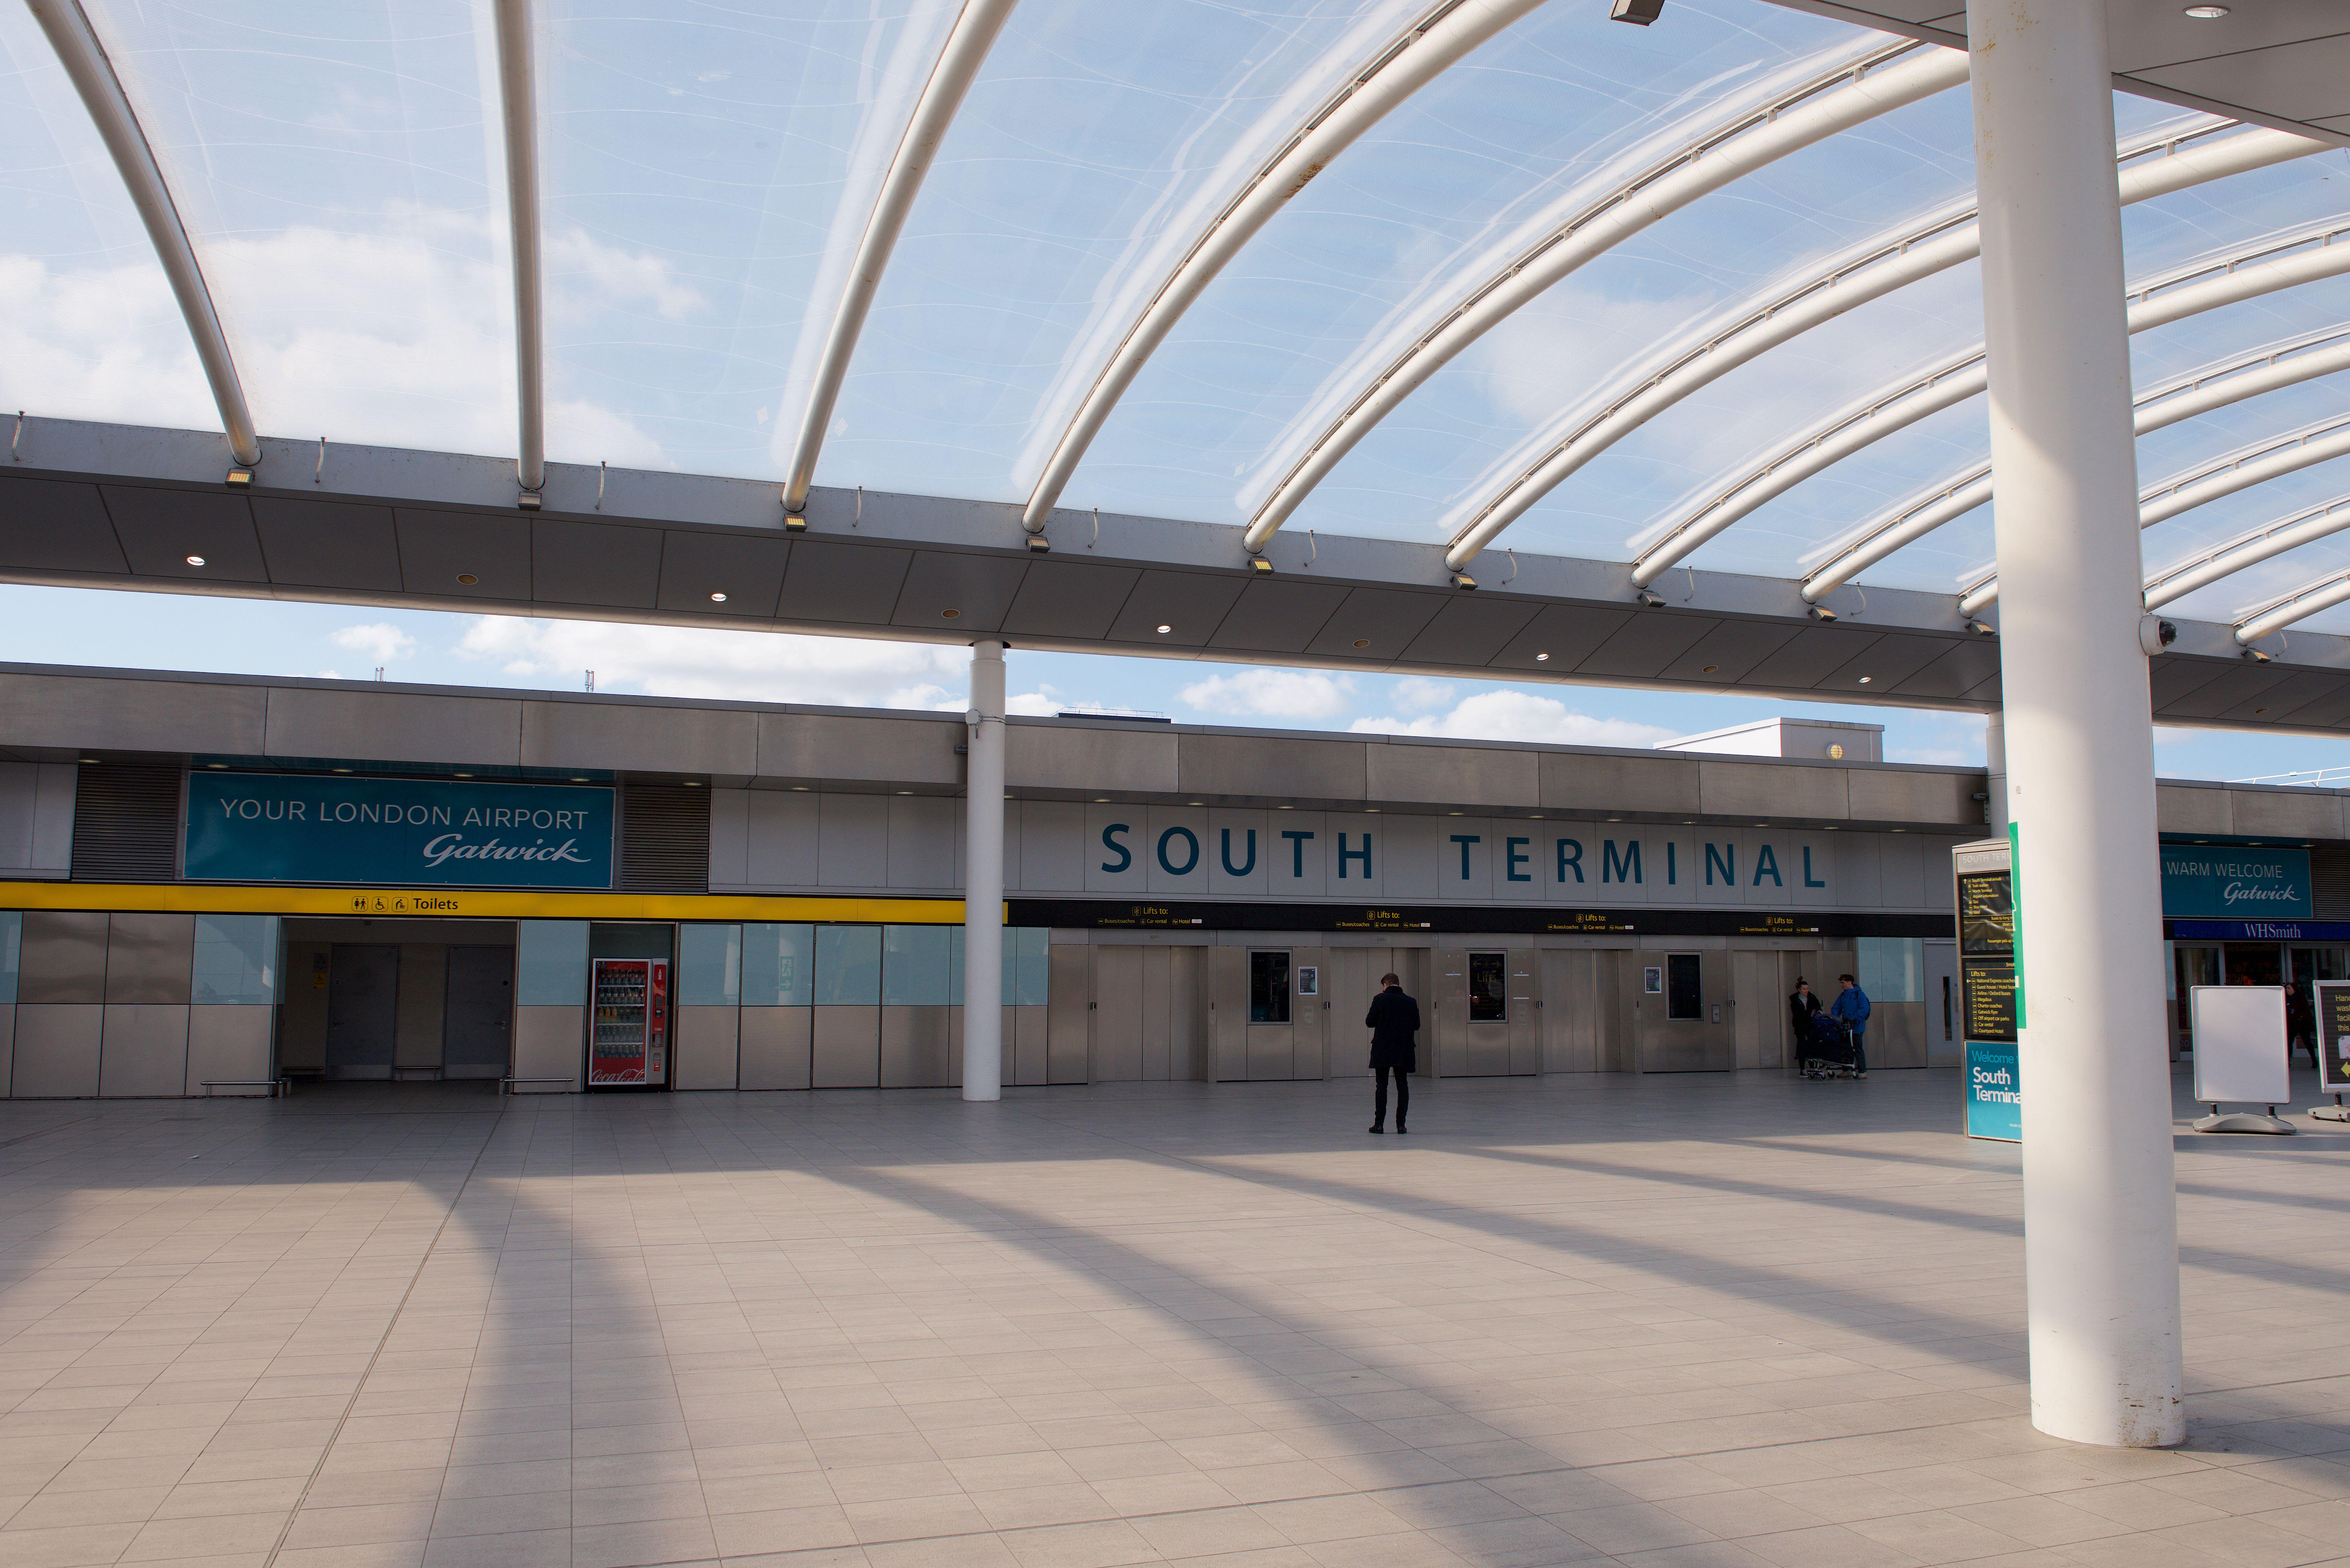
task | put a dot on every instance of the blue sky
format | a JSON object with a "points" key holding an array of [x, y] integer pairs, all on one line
{"points": [[253, 637]]}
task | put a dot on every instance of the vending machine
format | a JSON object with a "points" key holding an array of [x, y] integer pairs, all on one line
{"points": [[630, 1042]]}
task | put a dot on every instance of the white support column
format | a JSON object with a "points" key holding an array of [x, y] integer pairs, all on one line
{"points": [[2101, 1236], [982, 879]]}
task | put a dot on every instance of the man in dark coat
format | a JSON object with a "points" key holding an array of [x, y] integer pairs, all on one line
{"points": [[1801, 1005], [1394, 1024]]}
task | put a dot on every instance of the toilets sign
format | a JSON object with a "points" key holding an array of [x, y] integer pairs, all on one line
{"points": [[414, 832]]}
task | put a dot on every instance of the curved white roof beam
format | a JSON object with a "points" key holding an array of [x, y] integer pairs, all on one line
{"points": [[1432, 45], [1851, 95], [92, 74], [966, 49], [2297, 606], [2206, 483], [2180, 578], [518, 101], [1867, 273], [2311, 255]]}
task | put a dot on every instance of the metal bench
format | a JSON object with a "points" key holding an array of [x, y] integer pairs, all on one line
{"points": [[277, 1086], [506, 1085]]}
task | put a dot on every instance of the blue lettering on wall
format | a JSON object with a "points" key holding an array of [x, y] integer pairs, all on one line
{"points": [[1190, 842], [1512, 859], [1230, 869], [1672, 865], [1567, 862], [1345, 855], [1465, 840], [1296, 850], [1766, 864], [1724, 856], [1125, 855], [1628, 869], [1807, 869]]}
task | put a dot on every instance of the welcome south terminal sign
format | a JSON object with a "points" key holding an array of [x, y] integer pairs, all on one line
{"points": [[412, 833]]}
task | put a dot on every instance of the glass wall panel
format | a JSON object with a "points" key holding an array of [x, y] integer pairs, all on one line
{"points": [[12, 941], [914, 965], [709, 965], [1269, 987], [551, 963], [1028, 966], [1891, 968], [236, 961], [778, 965], [847, 966]]}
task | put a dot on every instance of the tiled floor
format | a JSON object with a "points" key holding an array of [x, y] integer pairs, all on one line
{"points": [[1701, 1321]]}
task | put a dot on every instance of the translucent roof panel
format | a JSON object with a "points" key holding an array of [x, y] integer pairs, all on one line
{"points": [[332, 164], [1095, 144], [707, 172], [89, 328]]}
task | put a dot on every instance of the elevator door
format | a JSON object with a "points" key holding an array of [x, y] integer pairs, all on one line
{"points": [[480, 1013], [362, 1010]]}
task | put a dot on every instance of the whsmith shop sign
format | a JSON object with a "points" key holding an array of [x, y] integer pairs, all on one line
{"points": [[416, 833], [2230, 882]]}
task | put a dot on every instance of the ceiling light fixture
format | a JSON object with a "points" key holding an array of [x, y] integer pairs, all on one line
{"points": [[1542, 658], [1362, 642], [1165, 629], [1867, 679], [196, 560], [949, 615], [1709, 670], [718, 598], [224, 764], [2207, 13], [467, 578]]}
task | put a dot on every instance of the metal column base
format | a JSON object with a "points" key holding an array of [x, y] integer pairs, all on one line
{"points": [[2336, 1113], [2245, 1122]]}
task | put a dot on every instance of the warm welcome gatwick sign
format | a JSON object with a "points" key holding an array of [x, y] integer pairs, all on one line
{"points": [[2233, 882], [287, 827]]}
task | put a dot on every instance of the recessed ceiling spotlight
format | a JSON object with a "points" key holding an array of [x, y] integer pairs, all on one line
{"points": [[196, 560], [224, 764], [1709, 668], [342, 770], [578, 778], [1195, 803], [467, 578], [905, 792], [2207, 13], [465, 775], [1542, 658], [1165, 629], [718, 598], [1867, 679], [1101, 800], [696, 783], [1362, 642], [949, 615], [803, 788]]}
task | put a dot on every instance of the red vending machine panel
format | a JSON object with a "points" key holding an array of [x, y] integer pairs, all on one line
{"points": [[630, 1019]]}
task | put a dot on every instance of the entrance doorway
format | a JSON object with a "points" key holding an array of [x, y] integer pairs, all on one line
{"points": [[362, 1010], [409, 999]]}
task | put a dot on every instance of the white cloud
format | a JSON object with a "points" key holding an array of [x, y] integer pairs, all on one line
{"points": [[1417, 694], [402, 336], [1273, 694], [1512, 715], [381, 638], [753, 666]]}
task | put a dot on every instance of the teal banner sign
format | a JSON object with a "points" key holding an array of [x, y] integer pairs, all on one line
{"points": [[287, 827], [2228, 882], [1994, 1092]]}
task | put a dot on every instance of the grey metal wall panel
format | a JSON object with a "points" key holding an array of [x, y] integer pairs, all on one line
{"points": [[707, 1051], [143, 1052], [784, 830], [228, 1043], [639, 738], [916, 1045], [327, 544], [1561, 637], [1278, 617], [977, 588], [160, 529], [46, 526], [422, 1007], [1294, 770], [150, 956], [1375, 623], [1452, 775], [921, 842], [730, 837], [1642, 647], [853, 843], [63, 958], [477, 1027], [1468, 632], [132, 716], [1759, 789], [56, 1054], [1052, 837], [439, 551], [1070, 988], [394, 726], [550, 1043], [748, 568], [845, 1048], [1069, 598], [885, 751], [1189, 605], [601, 563], [53, 820], [1031, 1041], [7, 1045], [1572, 782], [842, 583], [1139, 758], [775, 1047], [20, 797]]}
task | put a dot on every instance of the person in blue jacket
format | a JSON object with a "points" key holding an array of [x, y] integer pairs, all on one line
{"points": [[1851, 1009]]}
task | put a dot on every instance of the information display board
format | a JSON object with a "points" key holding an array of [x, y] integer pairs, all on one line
{"points": [[2332, 1039], [2240, 1057], [1994, 1092], [1989, 993]]}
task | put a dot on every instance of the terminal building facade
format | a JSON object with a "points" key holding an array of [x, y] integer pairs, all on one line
{"points": [[214, 884]]}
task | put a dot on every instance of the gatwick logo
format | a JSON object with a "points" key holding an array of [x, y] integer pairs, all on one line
{"points": [[453, 847]]}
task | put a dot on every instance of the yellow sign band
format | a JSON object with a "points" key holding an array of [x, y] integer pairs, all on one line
{"points": [[460, 903]]}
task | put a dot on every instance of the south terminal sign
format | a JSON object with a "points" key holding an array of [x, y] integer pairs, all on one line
{"points": [[416, 833]]}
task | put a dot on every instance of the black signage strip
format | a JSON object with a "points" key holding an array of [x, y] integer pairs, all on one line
{"points": [[1107, 914]]}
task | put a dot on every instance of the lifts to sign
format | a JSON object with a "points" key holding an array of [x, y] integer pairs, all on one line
{"points": [[284, 827]]}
